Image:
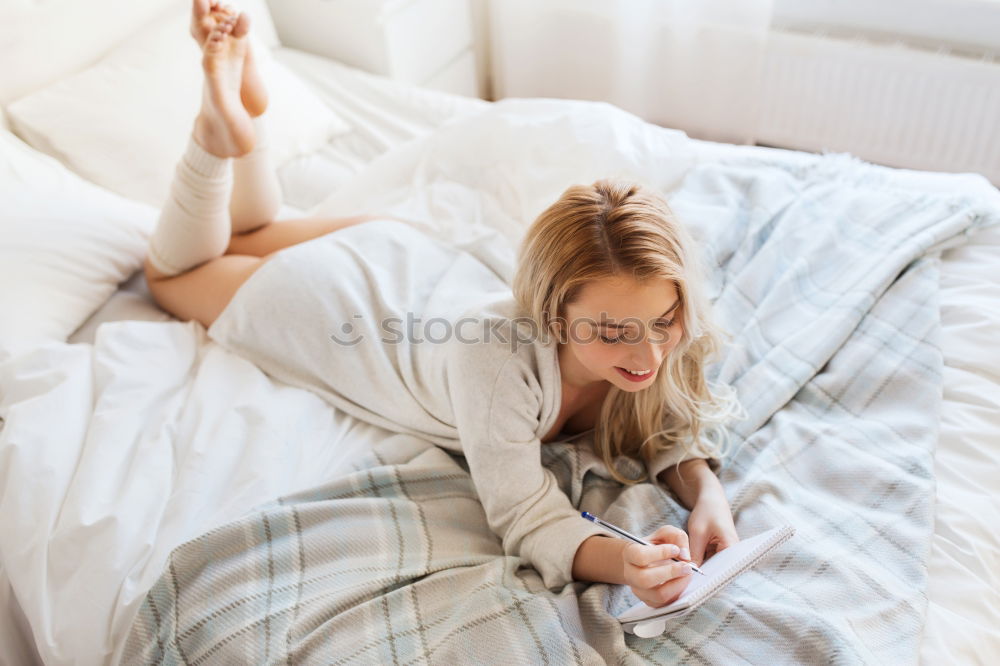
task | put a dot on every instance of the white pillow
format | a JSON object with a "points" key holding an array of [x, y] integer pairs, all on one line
{"points": [[124, 122], [84, 32], [42, 42], [65, 244]]}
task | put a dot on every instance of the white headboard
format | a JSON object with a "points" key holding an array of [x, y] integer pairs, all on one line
{"points": [[42, 41]]}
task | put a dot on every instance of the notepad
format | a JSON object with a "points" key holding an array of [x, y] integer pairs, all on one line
{"points": [[720, 569]]}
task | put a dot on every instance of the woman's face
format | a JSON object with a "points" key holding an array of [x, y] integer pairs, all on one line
{"points": [[617, 325]]}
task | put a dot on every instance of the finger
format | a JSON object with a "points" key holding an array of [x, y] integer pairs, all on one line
{"points": [[670, 534], [673, 588], [642, 556], [699, 541], [666, 591], [649, 598], [721, 543], [654, 577]]}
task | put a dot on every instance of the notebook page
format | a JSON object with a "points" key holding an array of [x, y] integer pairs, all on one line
{"points": [[716, 569]]}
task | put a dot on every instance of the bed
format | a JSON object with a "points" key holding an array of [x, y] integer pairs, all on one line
{"points": [[135, 433]]}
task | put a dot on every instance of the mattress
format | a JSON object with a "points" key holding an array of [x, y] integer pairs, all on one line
{"points": [[963, 623]]}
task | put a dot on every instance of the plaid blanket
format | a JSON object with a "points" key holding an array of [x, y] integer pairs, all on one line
{"points": [[825, 270]]}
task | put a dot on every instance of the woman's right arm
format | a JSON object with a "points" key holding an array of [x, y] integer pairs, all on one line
{"points": [[496, 397], [654, 578], [600, 559]]}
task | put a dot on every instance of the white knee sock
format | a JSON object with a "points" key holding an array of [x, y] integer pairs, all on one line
{"points": [[256, 191], [194, 223]]}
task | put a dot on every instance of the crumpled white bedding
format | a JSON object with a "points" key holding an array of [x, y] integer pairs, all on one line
{"points": [[963, 616], [112, 453]]}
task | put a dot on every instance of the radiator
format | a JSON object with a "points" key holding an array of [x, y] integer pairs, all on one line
{"points": [[886, 103]]}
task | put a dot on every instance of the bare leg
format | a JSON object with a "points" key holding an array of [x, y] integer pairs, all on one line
{"points": [[186, 272], [205, 15], [273, 237], [256, 193], [203, 293], [198, 282]]}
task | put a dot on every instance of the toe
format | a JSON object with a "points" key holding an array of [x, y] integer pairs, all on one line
{"points": [[200, 8], [242, 25], [215, 40]]}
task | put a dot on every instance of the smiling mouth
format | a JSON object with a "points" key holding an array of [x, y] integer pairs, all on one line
{"points": [[635, 375]]}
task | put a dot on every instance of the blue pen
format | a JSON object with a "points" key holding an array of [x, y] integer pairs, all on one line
{"points": [[620, 532]]}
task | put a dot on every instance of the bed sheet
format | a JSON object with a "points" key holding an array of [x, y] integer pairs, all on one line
{"points": [[383, 114], [204, 384]]}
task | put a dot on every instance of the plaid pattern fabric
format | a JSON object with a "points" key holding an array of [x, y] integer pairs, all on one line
{"points": [[826, 273]]}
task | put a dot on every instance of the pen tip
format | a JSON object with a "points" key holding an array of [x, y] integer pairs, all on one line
{"points": [[586, 515]]}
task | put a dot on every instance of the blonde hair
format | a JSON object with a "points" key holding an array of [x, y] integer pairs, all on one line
{"points": [[612, 229]]}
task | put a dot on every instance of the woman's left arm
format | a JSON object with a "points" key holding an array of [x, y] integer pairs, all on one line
{"points": [[710, 526]]}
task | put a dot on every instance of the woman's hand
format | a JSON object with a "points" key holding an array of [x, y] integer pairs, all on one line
{"points": [[710, 526], [649, 570]]}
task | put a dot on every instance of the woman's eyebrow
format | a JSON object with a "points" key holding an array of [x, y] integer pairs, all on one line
{"points": [[669, 310]]}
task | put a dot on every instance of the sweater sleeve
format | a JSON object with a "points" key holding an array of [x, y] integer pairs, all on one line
{"points": [[497, 413]]}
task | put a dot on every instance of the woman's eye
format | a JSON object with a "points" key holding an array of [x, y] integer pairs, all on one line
{"points": [[609, 340], [665, 323]]}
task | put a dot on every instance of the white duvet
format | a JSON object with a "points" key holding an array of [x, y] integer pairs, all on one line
{"points": [[114, 453]]}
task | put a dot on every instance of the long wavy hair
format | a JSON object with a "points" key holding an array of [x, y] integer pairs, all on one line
{"points": [[612, 229]]}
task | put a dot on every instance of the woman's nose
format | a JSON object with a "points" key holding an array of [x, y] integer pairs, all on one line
{"points": [[647, 354]]}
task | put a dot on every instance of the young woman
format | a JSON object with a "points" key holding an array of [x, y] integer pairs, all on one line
{"points": [[605, 332]]}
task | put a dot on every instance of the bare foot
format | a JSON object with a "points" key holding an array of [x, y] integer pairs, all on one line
{"points": [[253, 94], [203, 18], [205, 15], [223, 127]]}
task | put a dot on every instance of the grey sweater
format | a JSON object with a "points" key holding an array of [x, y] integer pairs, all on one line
{"points": [[479, 390]]}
